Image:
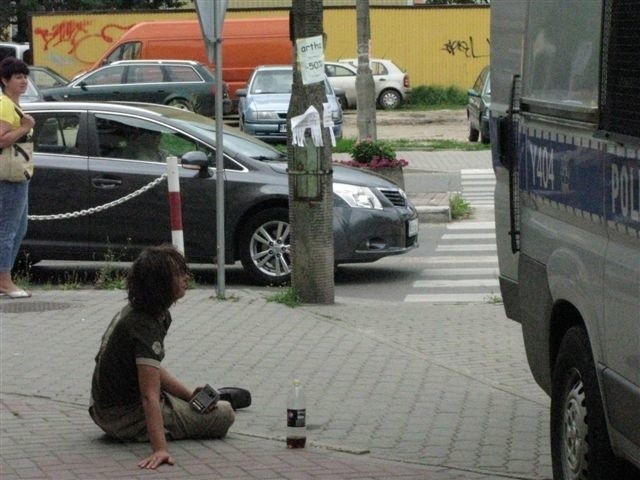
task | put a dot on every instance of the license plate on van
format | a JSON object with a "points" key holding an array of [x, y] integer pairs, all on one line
{"points": [[283, 128]]}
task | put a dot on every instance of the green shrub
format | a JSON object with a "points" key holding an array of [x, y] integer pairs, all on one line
{"points": [[460, 208], [366, 150], [435, 96]]}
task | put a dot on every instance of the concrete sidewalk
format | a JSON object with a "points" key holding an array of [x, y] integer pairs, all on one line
{"points": [[427, 397]]}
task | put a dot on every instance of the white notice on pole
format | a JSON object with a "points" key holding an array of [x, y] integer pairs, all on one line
{"points": [[311, 59]]}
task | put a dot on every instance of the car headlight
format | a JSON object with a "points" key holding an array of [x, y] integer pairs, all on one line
{"points": [[356, 196], [252, 116], [336, 115]]}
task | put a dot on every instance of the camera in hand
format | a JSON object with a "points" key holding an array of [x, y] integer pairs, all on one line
{"points": [[204, 399]]}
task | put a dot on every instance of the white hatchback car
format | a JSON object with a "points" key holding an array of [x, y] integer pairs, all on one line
{"points": [[392, 85]]}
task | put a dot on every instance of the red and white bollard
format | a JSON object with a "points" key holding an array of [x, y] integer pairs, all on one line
{"points": [[175, 206]]}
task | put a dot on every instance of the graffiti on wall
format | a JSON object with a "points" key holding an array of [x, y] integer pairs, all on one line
{"points": [[77, 39], [464, 47]]}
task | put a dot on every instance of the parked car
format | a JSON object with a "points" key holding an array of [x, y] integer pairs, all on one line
{"points": [[263, 105], [392, 84], [343, 76], [18, 50], [45, 77], [179, 83], [478, 105], [91, 154]]}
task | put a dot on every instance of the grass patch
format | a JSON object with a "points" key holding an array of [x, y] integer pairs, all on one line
{"points": [[436, 97], [493, 299], [109, 275], [286, 296], [460, 208]]}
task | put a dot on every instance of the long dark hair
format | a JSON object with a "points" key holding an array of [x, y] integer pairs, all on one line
{"points": [[152, 278], [11, 66]]}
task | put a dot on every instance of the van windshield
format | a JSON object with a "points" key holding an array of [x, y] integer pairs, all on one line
{"points": [[126, 51]]}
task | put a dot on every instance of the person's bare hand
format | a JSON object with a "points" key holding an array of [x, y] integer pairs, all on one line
{"points": [[27, 121], [156, 459]]}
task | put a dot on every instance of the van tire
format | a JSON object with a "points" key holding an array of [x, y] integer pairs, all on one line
{"points": [[266, 226], [580, 448]]}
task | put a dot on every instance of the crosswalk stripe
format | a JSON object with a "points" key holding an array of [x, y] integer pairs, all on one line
{"points": [[467, 282], [471, 226], [463, 259], [468, 236], [488, 247], [473, 171], [434, 272], [450, 298]]}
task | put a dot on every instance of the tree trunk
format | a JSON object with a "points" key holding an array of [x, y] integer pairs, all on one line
{"points": [[365, 87], [310, 178]]}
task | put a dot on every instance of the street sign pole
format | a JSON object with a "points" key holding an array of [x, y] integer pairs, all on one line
{"points": [[211, 17]]}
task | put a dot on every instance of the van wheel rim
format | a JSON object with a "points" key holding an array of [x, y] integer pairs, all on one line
{"points": [[574, 430]]}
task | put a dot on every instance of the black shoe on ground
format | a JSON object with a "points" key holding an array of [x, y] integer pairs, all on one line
{"points": [[236, 396]]}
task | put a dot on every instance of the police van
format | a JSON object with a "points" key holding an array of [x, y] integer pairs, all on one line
{"points": [[565, 135]]}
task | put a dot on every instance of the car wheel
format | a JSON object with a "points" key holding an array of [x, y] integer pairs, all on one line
{"points": [[265, 245], [474, 134], [389, 99], [181, 103], [580, 448]]}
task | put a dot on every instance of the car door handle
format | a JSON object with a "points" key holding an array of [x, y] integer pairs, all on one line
{"points": [[106, 183]]}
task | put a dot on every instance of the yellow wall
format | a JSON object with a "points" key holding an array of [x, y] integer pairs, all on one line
{"points": [[436, 46]]}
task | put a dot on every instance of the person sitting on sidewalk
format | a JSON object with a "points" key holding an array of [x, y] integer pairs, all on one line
{"points": [[134, 398]]}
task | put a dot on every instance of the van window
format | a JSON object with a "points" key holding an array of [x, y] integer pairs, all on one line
{"points": [[620, 93], [126, 51], [562, 59], [6, 51]]}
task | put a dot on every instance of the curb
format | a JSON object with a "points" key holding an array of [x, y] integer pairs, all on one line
{"points": [[434, 214]]}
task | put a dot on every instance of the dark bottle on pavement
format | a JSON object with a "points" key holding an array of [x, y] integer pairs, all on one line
{"points": [[296, 417]]}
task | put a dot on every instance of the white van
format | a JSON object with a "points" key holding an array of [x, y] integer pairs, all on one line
{"points": [[565, 136], [18, 50]]}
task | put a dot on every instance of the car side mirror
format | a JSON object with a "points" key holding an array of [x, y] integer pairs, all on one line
{"points": [[196, 160], [472, 93], [83, 85], [241, 92]]}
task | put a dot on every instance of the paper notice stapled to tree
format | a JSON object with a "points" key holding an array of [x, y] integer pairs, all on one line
{"points": [[311, 120], [327, 122], [310, 53], [299, 124]]}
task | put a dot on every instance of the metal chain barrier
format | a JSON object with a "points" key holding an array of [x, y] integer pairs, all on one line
{"points": [[90, 211]]}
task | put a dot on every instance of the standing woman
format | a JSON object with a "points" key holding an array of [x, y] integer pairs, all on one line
{"points": [[14, 196]]}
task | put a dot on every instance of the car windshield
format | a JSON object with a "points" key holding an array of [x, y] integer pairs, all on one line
{"points": [[277, 81], [272, 81]]}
